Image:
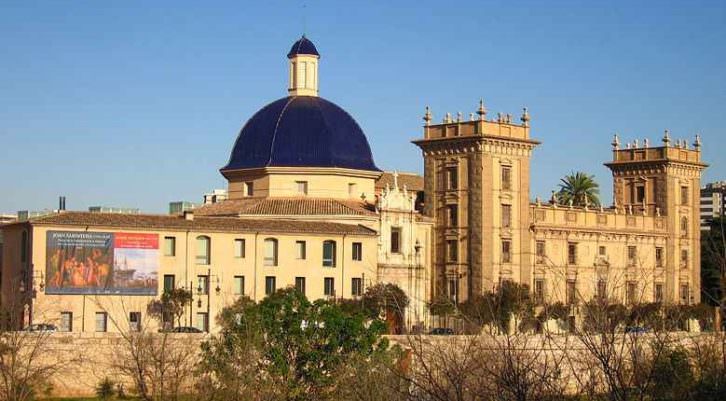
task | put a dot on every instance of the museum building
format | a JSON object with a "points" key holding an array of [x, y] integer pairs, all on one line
{"points": [[308, 207]]}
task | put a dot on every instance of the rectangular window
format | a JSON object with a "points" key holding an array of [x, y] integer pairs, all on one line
{"points": [[169, 246], [540, 252], [101, 321], [300, 250], [452, 250], [571, 292], [239, 248], [658, 296], [329, 284], [203, 250], [300, 284], [352, 190], [632, 256], [357, 251], [453, 296], [356, 286], [452, 212], [659, 257], [249, 188], [202, 322], [395, 240], [270, 252], [684, 258], [684, 195], [640, 194], [270, 285], [452, 178], [631, 292], [506, 251], [572, 253], [685, 296], [135, 321], [602, 289], [203, 285], [602, 251], [66, 322], [539, 291], [239, 285], [302, 187], [506, 216], [506, 178], [329, 256], [169, 282]]}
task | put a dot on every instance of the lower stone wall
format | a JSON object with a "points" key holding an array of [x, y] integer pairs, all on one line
{"points": [[79, 362]]}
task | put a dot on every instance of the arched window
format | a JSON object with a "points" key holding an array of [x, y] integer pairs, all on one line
{"points": [[204, 248], [270, 252], [684, 226], [329, 253]]}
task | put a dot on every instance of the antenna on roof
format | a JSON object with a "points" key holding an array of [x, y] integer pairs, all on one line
{"points": [[304, 18]]}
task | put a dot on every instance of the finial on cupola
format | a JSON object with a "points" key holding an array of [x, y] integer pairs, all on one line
{"points": [[616, 142], [427, 116], [525, 117], [482, 111], [667, 138], [697, 143]]}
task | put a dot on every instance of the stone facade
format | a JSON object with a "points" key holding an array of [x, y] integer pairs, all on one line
{"points": [[644, 248]]}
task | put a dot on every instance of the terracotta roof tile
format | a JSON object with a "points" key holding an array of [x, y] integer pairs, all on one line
{"points": [[287, 207], [224, 224], [413, 182]]}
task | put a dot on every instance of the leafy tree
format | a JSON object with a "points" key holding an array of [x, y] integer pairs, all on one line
{"points": [[713, 265], [387, 299], [580, 188], [672, 375], [172, 304], [104, 389], [498, 307], [290, 347]]}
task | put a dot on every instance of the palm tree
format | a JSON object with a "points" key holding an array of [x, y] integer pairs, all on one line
{"points": [[579, 188]]}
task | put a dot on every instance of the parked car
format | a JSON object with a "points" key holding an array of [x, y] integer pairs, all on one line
{"points": [[42, 327], [442, 331], [636, 330], [182, 329]]}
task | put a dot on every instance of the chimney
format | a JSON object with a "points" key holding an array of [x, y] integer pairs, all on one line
{"points": [[189, 215], [62, 204]]}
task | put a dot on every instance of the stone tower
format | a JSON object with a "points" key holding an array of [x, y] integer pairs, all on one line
{"points": [[665, 181], [477, 188]]}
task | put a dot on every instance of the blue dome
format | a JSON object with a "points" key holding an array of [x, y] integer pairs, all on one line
{"points": [[303, 46], [301, 131]]}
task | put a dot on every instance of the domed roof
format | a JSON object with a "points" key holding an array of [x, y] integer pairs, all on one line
{"points": [[301, 131], [303, 46]]}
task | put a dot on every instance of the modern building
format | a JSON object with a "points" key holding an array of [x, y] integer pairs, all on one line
{"points": [[713, 196], [179, 207], [112, 209]]}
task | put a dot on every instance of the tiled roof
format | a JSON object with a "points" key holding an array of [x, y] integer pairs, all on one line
{"points": [[413, 182], [287, 207], [225, 224]]}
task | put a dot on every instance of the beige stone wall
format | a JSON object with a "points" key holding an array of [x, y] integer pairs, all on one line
{"points": [[321, 182], [223, 268]]}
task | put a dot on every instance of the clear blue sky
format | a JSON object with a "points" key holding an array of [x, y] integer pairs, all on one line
{"points": [[138, 103]]}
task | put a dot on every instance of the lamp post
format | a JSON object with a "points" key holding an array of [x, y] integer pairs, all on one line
{"points": [[217, 289]]}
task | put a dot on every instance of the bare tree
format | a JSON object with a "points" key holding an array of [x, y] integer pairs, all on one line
{"points": [[160, 365]]}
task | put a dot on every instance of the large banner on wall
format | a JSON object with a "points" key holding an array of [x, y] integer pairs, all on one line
{"points": [[101, 263]]}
